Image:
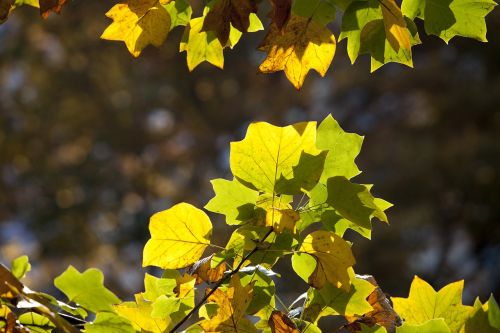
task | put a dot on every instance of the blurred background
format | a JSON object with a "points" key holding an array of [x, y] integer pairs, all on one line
{"points": [[93, 141]]}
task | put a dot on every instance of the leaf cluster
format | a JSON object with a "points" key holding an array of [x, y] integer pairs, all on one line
{"points": [[298, 38], [291, 196]]}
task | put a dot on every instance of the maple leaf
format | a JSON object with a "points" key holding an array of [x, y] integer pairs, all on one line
{"points": [[277, 159], [281, 323], [424, 304], [227, 13], [333, 259], [47, 6], [282, 9], [302, 45], [450, 18], [138, 23], [232, 303], [179, 236], [201, 45]]}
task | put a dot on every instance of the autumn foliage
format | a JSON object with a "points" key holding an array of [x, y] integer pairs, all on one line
{"points": [[291, 196]]}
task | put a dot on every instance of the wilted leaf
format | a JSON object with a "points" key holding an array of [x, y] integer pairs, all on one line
{"points": [[179, 236], [282, 10], [47, 6], [86, 289], [333, 258], [232, 306], [138, 23], [301, 46], [424, 304], [225, 13], [280, 323], [203, 272]]}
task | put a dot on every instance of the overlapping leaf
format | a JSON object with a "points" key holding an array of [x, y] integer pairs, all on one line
{"points": [[139, 23], [302, 45], [424, 304]]}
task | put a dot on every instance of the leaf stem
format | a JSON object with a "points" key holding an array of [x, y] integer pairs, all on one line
{"points": [[220, 282]]}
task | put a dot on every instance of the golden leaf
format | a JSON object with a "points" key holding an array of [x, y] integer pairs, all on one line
{"points": [[280, 323]]}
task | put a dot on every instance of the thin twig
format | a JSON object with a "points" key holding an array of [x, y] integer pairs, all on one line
{"points": [[221, 281]]}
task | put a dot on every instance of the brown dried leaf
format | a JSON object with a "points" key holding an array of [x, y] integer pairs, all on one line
{"points": [[281, 323], [203, 271], [282, 10], [47, 6]]}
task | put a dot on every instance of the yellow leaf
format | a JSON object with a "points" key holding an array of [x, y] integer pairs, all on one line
{"points": [[424, 304], [139, 315], [232, 305], [201, 45], [281, 219], [179, 236], [395, 25], [281, 323], [185, 285], [138, 23], [277, 159], [333, 258], [300, 46]]}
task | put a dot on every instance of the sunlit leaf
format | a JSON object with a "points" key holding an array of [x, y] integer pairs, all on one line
{"points": [[424, 304], [86, 289], [179, 236], [109, 322], [333, 259], [280, 323], [138, 23]]}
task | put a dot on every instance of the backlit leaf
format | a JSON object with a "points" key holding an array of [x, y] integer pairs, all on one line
{"points": [[424, 304], [281, 12], [47, 6], [138, 23], [333, 259], [226, 13], [451, 18], [483, 318], [397, 34], [278, 159], [139, 315], [280, 323], [232, 306], [302, 45], [20, 266], [431, 326], [234, 200], [109, 322], [179, 236], [201, 45], [86, 289]]}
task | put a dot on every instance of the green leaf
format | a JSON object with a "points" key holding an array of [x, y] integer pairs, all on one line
{"points": [[483, 318], [431, 326], [156, 287], [343, 147], [449, 18], [333, 259], [180, 13], [20, 266], [200, 45], [86, 289], [234, 200], [263, 288], [424, 304], [374, 41], [320, 11], [373, 329], [109, 322], [179, 236], [278, 160], [493, 312], [355, 203], [330, 301], [355, 18], [36, 323]]}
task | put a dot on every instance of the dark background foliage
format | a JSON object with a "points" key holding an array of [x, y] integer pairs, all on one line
{"points": [[92, 142]]}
